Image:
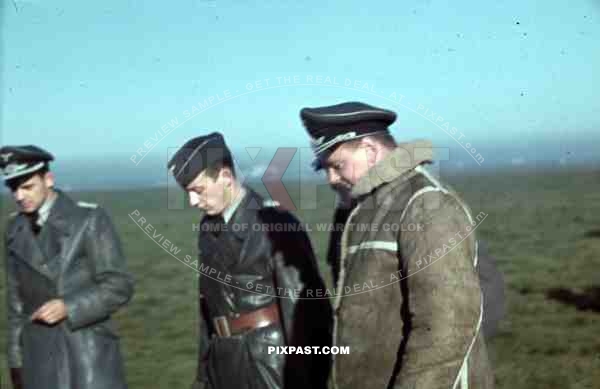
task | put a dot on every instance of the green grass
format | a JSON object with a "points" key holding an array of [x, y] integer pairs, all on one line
{"points": [[535, 228]]}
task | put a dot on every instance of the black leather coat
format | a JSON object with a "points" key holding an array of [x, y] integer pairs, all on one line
{"points": [[77, 257], [259, 259]]}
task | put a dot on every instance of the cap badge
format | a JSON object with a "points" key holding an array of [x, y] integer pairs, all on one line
{"points": [[6, 156], [13, 168], [318, 141]]}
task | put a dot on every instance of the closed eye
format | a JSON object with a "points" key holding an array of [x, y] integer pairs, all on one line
{"points": [[336, 165]]}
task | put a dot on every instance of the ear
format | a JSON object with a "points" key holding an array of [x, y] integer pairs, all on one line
{"points": [[371, 148], [49, 179], [226, 176]]}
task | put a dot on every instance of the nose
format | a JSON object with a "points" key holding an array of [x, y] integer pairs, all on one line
{"points": [[332, 176], [194, 199], [18, 194]]}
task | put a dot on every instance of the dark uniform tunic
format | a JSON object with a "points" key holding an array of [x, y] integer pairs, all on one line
{"points": [[267, 265]]}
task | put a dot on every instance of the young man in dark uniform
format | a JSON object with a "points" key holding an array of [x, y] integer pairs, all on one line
{"points": [[65, 277], [269, 277]]}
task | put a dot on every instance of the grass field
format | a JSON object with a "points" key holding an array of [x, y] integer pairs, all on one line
{"points": [[535, 228]]}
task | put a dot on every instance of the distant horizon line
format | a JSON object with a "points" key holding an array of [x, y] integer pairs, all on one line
{"points": [[489, 150], [452, 172]]}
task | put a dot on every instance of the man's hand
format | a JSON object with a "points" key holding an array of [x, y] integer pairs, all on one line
{"points": [[16, 376], [51, 312]]}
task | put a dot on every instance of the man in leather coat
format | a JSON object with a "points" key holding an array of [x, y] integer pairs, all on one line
{"points": [[66, 276], [409, 303], [257, 284]]}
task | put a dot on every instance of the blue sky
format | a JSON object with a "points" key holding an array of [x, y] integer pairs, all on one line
{"points": [[96, 79]]}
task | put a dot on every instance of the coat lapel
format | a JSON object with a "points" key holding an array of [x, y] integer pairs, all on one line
{"points": [[67, 223], [52, 249], [244, 215], [49, 243], [210, 244], [56, 232], [24, 245], [241, 224], [229, 245]]}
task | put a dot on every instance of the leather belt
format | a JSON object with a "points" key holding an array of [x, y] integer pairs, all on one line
{"points": [[259, 318]]}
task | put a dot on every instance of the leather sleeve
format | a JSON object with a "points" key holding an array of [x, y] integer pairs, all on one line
{"points": [[205, 329], [113, 286], [14, 304]]}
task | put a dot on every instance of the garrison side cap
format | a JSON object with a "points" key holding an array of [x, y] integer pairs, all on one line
{"points": [[196, 155]]}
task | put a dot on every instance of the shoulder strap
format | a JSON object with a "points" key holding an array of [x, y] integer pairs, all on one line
{"points": [[87, 205]]}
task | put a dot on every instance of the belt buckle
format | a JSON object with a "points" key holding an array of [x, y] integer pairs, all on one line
{"points": [[222, 326]]}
